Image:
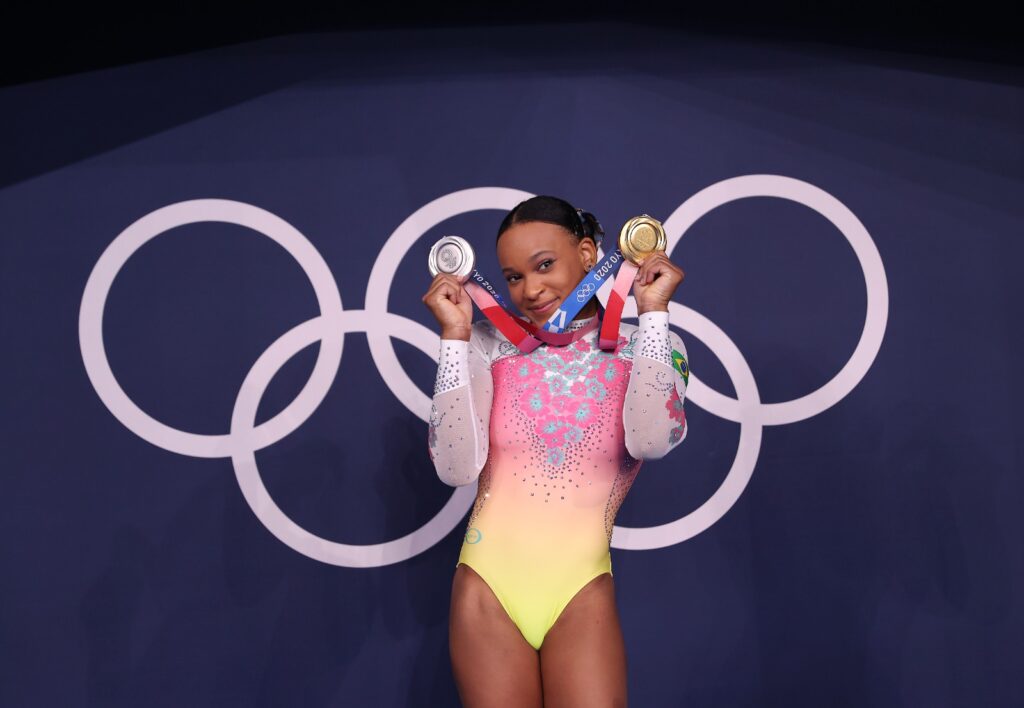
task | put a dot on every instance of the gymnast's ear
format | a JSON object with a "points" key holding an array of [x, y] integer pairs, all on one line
{"points": [[587, 250]]}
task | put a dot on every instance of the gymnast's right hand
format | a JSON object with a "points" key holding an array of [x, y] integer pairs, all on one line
{"points": [[451, 305]]}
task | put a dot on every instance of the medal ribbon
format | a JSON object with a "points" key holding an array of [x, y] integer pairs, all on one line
{"points": [[522, 333], [613, 312], [588, 288]]}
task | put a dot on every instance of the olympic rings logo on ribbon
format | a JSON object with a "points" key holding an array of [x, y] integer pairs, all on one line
{"points": [[245, 438], [584, 292]]}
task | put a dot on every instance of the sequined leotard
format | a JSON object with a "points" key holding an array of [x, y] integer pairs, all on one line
{"points": [[556, 438]]}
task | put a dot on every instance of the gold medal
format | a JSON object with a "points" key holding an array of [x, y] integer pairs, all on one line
{"points": [[640, 237]]}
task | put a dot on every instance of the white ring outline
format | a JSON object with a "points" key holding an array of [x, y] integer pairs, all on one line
{"points": [[747, 450], [255, 492], [97, 288], [875, 317], [751, 412]]}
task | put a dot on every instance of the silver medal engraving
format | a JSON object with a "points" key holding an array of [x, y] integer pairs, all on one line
{"points": [[452, 255]]}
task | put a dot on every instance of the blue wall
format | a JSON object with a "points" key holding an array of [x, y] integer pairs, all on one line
{"points": [[875, 555]]}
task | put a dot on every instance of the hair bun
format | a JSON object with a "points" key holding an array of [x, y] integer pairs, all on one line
{"points": [[591, 226]]}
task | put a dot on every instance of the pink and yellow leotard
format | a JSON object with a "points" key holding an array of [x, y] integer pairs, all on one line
{"points": [[555, 438]]}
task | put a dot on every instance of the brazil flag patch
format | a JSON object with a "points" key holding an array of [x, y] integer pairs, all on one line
{"points": [[679, 362]]}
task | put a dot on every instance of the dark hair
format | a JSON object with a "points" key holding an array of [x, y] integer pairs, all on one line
{"points": [[552, 210]]}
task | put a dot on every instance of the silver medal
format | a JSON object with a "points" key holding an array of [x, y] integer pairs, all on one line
{"points": [[452, 255]]}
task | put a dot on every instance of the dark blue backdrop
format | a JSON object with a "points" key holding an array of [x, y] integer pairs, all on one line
{"points": [[875, 558]]}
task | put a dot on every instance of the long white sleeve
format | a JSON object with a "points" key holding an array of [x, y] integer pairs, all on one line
{"points": [[652, 413], [461, 411]]}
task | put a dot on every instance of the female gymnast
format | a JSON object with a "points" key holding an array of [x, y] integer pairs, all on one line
{"points": [[555, 438]]}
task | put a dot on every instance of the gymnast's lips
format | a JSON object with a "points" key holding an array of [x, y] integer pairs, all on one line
{"points": [[544, 308]]}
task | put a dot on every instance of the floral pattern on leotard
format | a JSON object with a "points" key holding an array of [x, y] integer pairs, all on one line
{"points": [[433, 425], [674, 404], [563, 390], [676, 412]]}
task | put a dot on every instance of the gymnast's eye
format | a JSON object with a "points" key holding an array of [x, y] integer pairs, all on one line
{"points": [[542, 264], [511, 278]]}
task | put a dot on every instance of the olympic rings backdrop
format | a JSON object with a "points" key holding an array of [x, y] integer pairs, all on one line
{"points": [[217, 489]]}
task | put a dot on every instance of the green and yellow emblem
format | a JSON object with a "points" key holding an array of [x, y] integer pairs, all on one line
{"points": [[679, 363]]}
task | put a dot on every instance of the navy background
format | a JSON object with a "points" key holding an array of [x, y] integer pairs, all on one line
{"points": [[875, 557]]}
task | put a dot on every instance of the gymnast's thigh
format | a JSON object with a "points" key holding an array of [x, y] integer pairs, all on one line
{"points": [[492, 662], [583, 657]]}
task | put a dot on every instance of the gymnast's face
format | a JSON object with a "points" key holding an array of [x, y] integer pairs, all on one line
{"points": [[543, 263]]}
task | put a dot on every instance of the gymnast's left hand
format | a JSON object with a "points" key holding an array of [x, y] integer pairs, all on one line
{"points": [[655, 282]]}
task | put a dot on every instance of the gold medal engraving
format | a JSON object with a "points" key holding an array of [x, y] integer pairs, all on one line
{"points": [[641, 236]]}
